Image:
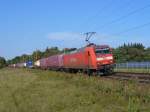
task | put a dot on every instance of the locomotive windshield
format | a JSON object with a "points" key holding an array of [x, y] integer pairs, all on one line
{"points": [[103, 51]]}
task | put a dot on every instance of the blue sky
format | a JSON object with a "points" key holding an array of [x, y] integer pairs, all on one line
{"points": [[26, 25]]}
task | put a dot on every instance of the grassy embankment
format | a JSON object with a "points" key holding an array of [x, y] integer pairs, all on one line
{"points": [[24, 90]]}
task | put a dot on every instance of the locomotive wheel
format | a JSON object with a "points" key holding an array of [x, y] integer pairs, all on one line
{"points": [[108, 71]]}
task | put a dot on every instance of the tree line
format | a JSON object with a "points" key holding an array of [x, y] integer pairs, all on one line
{"points": [[132, 52], [36, 55], [124, 53]]}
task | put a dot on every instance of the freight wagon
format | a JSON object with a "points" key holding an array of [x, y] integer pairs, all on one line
{"points": [[55, 62], [20, 65], [12, 65]]}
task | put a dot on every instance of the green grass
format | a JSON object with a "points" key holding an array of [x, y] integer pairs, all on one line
{"points": [[23, 90], [133, 70]]}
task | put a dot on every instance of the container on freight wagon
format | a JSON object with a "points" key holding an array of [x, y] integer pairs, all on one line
{"points": [[37, 63], [20, 65], [29, 64], [43, 63], [55, 62]]}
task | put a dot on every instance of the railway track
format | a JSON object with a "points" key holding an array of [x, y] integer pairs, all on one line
{"points": [[137, 77]]}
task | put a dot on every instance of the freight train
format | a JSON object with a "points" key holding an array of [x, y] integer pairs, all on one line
{"points": [[89, 59]]}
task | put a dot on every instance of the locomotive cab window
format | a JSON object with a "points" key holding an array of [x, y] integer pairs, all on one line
{"points": [[103, 51]]}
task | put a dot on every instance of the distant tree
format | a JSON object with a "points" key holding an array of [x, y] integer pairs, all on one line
{"points": [[51, 51], [16, 60], [2, 62], [25, 58], [36, 55]]}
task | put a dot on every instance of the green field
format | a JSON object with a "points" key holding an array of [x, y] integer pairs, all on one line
{"points": [[23, 90]]}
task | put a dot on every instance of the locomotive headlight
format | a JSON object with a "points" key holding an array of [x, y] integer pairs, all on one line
{"points": [[100, 59], [109, 57]]}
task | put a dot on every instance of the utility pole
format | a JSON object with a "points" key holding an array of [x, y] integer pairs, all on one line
{"points": [[88, 36]]}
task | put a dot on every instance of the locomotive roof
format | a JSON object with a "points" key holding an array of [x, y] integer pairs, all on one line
{"points": [[97, 46], [93, 45]]}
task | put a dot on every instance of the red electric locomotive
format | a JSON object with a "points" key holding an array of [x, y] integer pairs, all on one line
{"points": [[92, 58]]}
